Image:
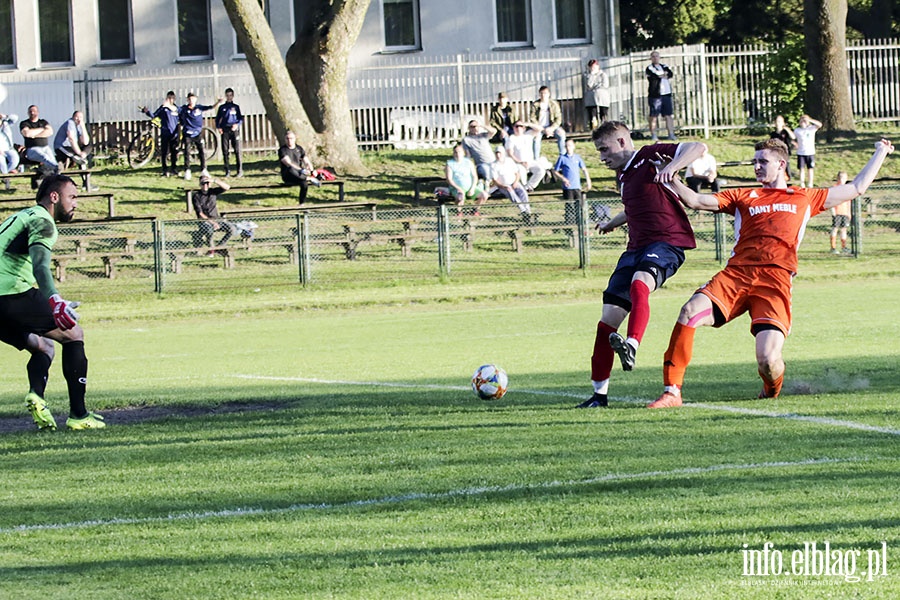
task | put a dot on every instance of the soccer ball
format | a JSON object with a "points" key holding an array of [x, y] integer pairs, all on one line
{"points": [[489, 382]]}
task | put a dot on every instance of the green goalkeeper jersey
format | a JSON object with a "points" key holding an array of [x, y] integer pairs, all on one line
{"points": [[29, 232]]}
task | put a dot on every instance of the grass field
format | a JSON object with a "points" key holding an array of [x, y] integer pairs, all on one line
{"points": [[296, 446]]}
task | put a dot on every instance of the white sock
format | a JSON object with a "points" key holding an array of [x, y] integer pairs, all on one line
{"points": [[601, 387], [672, 389], [633, 343]]}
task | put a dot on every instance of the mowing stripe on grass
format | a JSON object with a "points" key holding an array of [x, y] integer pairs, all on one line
{"points": [[719, 407], [418, 496]]}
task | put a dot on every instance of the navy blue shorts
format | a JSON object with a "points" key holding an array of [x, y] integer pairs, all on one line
{"points": [[661, 106], [660, 259]]}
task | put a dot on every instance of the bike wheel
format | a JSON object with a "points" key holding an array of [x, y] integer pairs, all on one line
{"points": [[210, 142], [141, 149]]}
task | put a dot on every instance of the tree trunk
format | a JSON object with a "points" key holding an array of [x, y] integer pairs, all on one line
{"points": [[278, 94], [828, 94], [317, 62]]}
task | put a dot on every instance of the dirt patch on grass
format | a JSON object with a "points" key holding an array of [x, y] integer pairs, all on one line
{"points": [[139, 414]]}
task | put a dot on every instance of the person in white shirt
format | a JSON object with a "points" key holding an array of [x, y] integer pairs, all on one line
{"points": [[806, 148], [506, 178], [520, 148], [702, 173], [9, 158], [659, 95]]}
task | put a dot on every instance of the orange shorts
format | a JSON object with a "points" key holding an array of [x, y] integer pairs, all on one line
{"points": [[763, 291]]}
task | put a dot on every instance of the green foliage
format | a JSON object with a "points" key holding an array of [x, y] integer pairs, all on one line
{"points": [[787, 78]]}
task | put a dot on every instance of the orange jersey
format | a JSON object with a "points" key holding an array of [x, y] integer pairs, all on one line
{"points": [[769, 223]]}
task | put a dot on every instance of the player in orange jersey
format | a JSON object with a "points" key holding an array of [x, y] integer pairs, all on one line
{"points": [[769, 224]]}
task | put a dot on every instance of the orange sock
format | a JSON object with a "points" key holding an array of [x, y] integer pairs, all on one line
{"points": [[772, 388], [678, 354]]}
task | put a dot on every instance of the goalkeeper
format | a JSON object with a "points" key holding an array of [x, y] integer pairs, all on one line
{"points": [[32, 318]]}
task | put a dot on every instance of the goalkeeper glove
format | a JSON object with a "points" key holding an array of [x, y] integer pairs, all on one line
{"points": [[63, 312]]}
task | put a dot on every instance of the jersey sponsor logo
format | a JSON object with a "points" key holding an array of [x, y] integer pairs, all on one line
{"points": [[777, 207], [652, 255]]}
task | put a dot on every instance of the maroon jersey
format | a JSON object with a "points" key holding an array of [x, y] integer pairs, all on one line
{"points": [[653, 213]]}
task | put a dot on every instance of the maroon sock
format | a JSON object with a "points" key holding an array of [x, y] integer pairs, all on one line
{"points": [[602, 360], [640, 310]]}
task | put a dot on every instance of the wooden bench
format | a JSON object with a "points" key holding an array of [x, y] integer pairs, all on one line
{"points": [[30, 200], [228, 252], [85, 176], [188, 193], [516, 232], [263, 210]]}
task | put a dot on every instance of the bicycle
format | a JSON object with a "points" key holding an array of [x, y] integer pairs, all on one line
{"points": [[144, 146]]}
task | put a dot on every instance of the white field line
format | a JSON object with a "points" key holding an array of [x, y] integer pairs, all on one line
{"points": [[418, 496], [719, 407]]}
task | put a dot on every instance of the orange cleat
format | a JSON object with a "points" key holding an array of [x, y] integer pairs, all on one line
{"points": [[667, 400]]}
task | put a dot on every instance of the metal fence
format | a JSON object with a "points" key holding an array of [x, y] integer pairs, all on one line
{"points": [[350, 248]]}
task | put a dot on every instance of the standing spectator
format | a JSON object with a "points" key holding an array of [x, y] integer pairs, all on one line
{"points": [[568, 169], [503, 116], [9, 158], [596, 94], [785, 134], [520, 149], [702, 173], [477, 144], [769, 223], [228, 123], [806, 148], [547, 114], [659, 95], [840, 219], [463, 179], [296, 168], [191, 117], [167, 114], [37, 133], [32, 313], [659, 232], [507, 178], [73, 142], [205, 202]]}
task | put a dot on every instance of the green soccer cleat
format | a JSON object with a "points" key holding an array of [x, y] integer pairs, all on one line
{"points": [[42, 416], [89, 421]]}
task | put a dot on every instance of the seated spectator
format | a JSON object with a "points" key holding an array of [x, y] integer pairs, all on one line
{"points": [[463, 179], [702, 173], [506, 178], [520, 148], [9, 158], [547, 114], [296, 168], [73, 142], [477, 144], [37, 133], [503, 115], [205, 205]]}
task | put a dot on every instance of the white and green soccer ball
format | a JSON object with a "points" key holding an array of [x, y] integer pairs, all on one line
{"points": [[490, 382]]}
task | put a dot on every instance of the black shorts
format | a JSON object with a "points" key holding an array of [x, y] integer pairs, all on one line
{"points": [[809, 161], [24, 314], [838, 221], [660, 259]]}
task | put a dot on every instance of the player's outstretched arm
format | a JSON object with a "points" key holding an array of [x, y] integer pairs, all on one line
{"points": [[692, 199], [686, 153], [616, 221], [842, 193]]}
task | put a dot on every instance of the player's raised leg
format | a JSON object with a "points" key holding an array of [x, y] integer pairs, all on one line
{"points": [[769, 346]]}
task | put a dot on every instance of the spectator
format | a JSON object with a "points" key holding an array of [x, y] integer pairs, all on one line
{"points": [[9, 158], [520, 149], [296, 168], [167, 114], [702, 173], [785, 134], [228, 124], [191, 117], [568, 169], [596, 94], [37, 133], [477, 144], [806, 148], [507, 179], [547, 114], [840, 219], [463, 179], [659, 95], [205, 202], [503, 116], [72, 141]]}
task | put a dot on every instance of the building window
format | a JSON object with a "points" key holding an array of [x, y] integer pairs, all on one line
{"points": [[7, 47], [238, 51], [55, 31], [513, 22], [194, 39], [571, 18], [115, 30], [401, 24]]}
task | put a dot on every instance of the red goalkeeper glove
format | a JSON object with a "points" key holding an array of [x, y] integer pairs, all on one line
{"points": [[63, 312]]}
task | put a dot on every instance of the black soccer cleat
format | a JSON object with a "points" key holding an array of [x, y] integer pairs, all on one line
{"points": [[596, 401], [625, 350]]}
